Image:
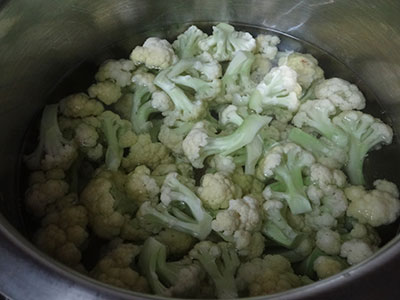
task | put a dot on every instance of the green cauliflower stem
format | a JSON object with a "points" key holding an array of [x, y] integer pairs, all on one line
{"points": [[53, 150], [276, 226], [365, 133], [187, 44], [225, 42], [220, 261], [316, 114], [173, 279], [285, 164], [278, 88], [196, 222], [198, 144]]}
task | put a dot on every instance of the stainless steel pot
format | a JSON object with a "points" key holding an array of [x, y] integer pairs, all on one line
{"points": [[42, 40]]}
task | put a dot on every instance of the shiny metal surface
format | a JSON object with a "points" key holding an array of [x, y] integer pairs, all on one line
{"points": [[41, 40]]}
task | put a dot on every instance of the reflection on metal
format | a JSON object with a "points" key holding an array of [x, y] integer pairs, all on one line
{"points": [[41, 40]]}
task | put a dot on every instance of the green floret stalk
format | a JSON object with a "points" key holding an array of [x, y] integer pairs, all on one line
{"points": [[239, 70], [141, 110], [311, 143], [197, 225], [222, 272], [190, 110], [242, 136], [110, 126], [254, 151], [295, 195], [148, 265], [203, 89], [51, 139], [277, 229]]}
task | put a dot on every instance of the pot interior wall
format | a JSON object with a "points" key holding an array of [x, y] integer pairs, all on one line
{"points": [[48, 44]]}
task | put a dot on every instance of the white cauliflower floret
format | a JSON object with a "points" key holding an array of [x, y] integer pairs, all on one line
{"points": [[260, 67], [107, 203], [118, 71], [222, 164], [268, 275], [115, 269], [161, 101], [145, 152], [178, 243], [376, 207], [328, 241], [326, 266], [216, 190], [106, 91], [145, 79], [225, 42], [80, 106], [306, 67], [356, 251], [86, 135], [154, 54], [239, 221], [266, 45], [141, 186], [63, 231], [341, 93], [40, 195], [242, 214]]}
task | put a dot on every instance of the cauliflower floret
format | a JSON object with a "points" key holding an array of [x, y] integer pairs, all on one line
{"points": [[356, 251], [216, 190], [306, 67], [326, 266], [177, 242], [86, 135], [115, 269], [63, 231], [225, 42], [328, 241], [268, 275], [239, 221], [376, 207], [145, 152], [141, 186], [106, 201], [251, 245], [222, 164], [118, 71], [343, 94], [260, 67], [155, 54], [80, 106], [138, 230], [266, 45], [41, 194], [106, 91], [161, 101]]}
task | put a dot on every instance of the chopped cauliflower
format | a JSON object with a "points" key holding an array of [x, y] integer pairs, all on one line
{"points": [[326, 266], [115, 269], [141, 186], [216, 190], [154, 54], [268, 275], [341, 93], [118, 71], [328, 241], [80, 106], [375, 207], [356, 251], [106, 91]]}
